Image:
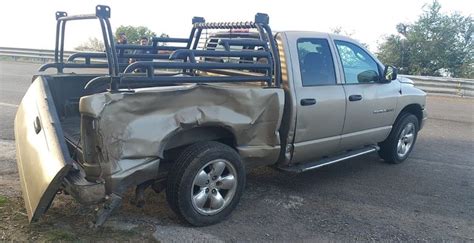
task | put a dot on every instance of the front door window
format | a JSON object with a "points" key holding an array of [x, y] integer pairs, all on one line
{"points": [[359, 67]]}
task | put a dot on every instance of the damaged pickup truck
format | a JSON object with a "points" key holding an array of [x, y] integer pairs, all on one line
{"points": [[191, 116]]}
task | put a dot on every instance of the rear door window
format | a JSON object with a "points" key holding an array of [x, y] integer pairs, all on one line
{"points": [[316, 62]]}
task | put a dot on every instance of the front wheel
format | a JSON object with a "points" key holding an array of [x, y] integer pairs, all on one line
{"points": [[399, 144], [206, 183]]}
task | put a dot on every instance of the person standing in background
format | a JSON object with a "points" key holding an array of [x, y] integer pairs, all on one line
{"points": [[121, 40], [143, 42]]}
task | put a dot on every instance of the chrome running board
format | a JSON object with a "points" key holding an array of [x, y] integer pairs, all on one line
{"points": [[327, 161]]}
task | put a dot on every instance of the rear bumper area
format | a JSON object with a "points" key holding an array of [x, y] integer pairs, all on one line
{"points": [[42, 155], [82, 190], [50, 158]]}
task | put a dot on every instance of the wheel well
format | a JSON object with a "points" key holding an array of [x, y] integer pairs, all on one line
{"points": [[187, 137], [414, 109]]}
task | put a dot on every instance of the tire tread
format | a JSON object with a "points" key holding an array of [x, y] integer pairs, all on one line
{"points": [[386, 151], [189, 155]]}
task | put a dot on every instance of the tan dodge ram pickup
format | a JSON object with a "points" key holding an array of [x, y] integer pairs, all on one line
{"points": [[191, 116]]}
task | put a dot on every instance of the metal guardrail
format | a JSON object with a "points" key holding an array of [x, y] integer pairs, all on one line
{"points": [[444, 85], [28, 54], [432, 85]]}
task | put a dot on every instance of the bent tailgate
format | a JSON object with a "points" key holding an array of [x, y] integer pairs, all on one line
{"points": [[42, 155]]}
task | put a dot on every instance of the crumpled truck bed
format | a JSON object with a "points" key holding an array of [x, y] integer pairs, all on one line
{"points": [[137, 125]]}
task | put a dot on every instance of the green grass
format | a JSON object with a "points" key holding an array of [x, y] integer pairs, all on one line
{"points": [[3, 200], [58, 235]]}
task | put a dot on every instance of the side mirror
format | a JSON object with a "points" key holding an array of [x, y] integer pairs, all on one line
{"points": [[368, 76], [390, 73]]}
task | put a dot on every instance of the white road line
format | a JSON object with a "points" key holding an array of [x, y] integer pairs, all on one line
{"points": [[9, 105]]}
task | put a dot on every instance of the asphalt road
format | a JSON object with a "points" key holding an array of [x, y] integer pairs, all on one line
{"points": [[429, 197]]}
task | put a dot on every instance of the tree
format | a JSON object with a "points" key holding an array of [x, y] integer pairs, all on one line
{"points": [[163, 35], [93, 44], [134, 33], [395, 51], [338, 30], [436, 44]]}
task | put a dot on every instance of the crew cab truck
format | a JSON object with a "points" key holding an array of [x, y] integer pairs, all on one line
{"points": [[204, 114]]}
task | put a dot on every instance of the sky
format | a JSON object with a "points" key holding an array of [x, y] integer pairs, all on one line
{"points": [[31, 24]]}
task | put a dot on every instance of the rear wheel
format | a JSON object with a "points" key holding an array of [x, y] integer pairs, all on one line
{"points": [[399, 144], [206, 183]]}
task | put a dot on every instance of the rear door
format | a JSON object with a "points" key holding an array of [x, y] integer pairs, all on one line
{"points": [[371, 104], [42, 156], [320, 97]]}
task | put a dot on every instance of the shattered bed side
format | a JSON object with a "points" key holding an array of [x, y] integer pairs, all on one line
{"points": [[125, 134]]}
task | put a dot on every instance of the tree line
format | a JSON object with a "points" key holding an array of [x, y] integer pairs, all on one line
{"points": [[437, 44]]}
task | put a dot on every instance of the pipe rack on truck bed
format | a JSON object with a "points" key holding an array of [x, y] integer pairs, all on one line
{"points": [[179, 57]]}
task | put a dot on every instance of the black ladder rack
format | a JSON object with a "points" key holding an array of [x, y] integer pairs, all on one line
{"points": [[178, 53]]}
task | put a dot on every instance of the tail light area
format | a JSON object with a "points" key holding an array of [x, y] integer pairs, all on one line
{"points": [[91, 148]]}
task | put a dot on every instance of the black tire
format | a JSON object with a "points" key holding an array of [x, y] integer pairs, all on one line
{"points": [[388, 148], [181, 176]]}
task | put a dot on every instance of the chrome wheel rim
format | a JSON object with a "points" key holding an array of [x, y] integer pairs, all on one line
{"points": [[405, 140], [214, 187]]}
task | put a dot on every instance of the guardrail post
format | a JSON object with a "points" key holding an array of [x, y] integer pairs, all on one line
{"points": [[460, 91]]}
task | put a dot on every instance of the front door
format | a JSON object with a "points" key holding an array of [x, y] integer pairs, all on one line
{"points": [[371, 104], [320, 99]]}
